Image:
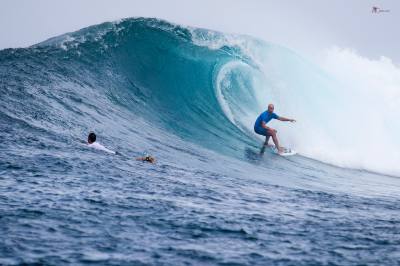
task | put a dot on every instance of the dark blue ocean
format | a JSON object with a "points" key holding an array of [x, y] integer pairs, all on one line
{"points": [[188, 97]]}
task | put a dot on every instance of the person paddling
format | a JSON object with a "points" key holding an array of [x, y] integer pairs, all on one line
{"points": [[91, 142]]}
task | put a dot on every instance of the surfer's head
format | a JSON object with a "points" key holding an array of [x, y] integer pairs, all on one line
{"points": [[91, 138], [270, 108]]}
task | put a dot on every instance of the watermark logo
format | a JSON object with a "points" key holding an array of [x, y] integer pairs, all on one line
{"points": [[378, 10]]}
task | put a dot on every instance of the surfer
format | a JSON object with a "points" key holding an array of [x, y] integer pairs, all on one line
{"points": [[93, 144], [261, 128]]}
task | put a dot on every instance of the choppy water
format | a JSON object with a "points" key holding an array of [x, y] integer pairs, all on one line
{"points": [[211, 199]]}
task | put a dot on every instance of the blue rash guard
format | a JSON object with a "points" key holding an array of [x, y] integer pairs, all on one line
{"points": [[266, 117]]}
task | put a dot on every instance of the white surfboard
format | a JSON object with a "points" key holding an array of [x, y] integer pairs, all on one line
{"points": [[286, 151]]}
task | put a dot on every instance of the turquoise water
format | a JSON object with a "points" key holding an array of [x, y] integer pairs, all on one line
{"points": [[189, 97]]}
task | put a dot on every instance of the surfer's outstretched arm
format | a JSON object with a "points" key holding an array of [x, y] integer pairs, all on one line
{"points": [[281, 118]]}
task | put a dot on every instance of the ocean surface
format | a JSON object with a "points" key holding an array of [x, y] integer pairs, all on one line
{"points": [[189, 97]]}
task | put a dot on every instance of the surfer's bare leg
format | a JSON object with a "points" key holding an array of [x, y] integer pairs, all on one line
{"points": [[275, 139]]}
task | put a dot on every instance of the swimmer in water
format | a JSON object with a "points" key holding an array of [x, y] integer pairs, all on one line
{"points": [[91, 142]]}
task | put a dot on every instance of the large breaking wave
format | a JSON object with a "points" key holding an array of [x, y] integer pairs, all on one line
{"points": [[203, 86]]}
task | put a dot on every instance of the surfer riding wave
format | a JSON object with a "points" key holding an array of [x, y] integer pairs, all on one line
{"points": [[261, 128]]}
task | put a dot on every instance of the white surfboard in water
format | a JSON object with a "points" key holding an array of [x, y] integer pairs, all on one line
{"points": [[286, 151]]}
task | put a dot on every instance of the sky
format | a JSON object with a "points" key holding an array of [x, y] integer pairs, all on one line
{"points": [[306, 26]]}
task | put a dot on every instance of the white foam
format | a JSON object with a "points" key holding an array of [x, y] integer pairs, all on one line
{"points": [[372, 88], [214, 40]]}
